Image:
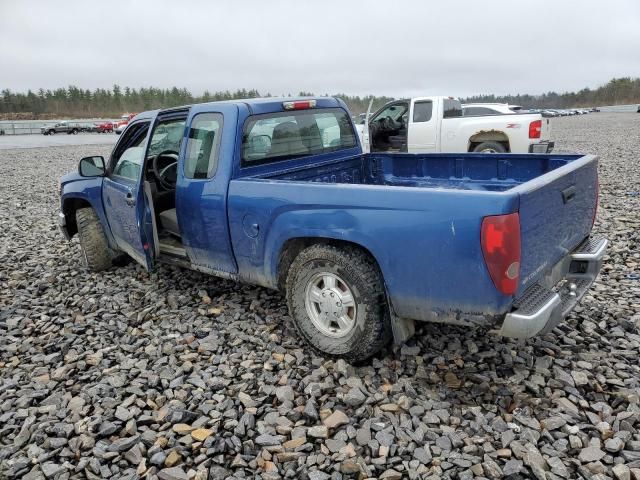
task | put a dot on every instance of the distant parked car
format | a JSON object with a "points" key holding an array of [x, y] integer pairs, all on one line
{"points": [[106, 127], [638, 111], [549, 113], [62, 127], [124, 121]]}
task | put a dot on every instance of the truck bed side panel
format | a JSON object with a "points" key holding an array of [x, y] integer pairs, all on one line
{"points": [[427, 242]]}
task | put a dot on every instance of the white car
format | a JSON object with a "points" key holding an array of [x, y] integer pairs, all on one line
{"points": [[470, 109], [435, 124], [120, 128]]}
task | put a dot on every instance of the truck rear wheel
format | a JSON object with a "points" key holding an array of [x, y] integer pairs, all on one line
{"points": [[490, 147], [337, 301], [95, 249]]}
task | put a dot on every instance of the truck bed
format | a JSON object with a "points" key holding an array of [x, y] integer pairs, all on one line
{"points": [[480, 172], [422, 211]]}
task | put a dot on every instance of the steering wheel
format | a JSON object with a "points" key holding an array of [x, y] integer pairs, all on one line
{"points": [[389, 123], [163, 172]]}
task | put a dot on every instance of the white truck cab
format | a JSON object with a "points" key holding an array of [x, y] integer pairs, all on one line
{"points": [[435, 124]]}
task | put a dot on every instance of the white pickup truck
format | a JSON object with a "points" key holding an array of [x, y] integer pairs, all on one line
{"points": [[435, 124]]}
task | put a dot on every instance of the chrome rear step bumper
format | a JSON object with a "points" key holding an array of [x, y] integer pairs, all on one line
{"points": [[541, 308]]}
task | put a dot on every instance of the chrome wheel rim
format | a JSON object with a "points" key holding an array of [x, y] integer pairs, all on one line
{"points": [[330, 305], [488, 150]]}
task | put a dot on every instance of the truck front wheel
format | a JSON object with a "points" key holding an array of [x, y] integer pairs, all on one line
{"points": [[490, 147], [95, 249], [337, 300]]}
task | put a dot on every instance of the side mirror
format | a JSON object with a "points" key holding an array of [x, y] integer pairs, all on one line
{"points": [[92, 167]]}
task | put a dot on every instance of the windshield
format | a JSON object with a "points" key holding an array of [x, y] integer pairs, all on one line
{"points": [[167, 136]]}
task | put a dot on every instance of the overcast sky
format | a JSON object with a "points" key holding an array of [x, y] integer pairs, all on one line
{"points": [[394, 47]]}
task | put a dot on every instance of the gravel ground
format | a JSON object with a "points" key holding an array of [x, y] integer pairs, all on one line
{"points": [[177, 375]]}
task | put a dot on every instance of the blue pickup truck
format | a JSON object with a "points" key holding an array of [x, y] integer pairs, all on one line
{"points": [[277, 193]]}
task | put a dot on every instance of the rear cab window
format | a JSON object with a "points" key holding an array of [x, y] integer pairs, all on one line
{"points": [[285, 135], [452, 108]]}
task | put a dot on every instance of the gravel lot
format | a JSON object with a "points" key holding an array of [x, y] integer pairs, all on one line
{"points": [[177, 375]]}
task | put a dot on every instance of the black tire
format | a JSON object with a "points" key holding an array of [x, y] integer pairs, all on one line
{"points": [[52, 132], [490, 147], [74, 131], [372, 329], [95, 248]]}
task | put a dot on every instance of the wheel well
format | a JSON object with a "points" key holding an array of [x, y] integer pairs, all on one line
{"points": [[489, 136], [69, 208], [294, 246]]}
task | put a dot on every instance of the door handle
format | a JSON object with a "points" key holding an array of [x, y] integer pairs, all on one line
{"points": [[130, 200]]}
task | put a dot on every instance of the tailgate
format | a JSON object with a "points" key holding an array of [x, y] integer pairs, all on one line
{"points": [[545, 133], [556, 214]]}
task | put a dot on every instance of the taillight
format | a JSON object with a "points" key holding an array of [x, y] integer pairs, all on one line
{"points": [[535, 129], [500, 239], [299, 105], [595, 210]]}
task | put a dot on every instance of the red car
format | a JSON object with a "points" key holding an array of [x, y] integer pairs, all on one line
{"points": [[106, 127]]}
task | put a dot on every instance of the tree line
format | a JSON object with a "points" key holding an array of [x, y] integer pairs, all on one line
{"points": [[618, 91], [113, 102], [76, 102]]}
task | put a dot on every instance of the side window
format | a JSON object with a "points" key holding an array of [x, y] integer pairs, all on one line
{"points": [[452, 108], [128, 157], [422, 111], [201, 159], [479, 111]]}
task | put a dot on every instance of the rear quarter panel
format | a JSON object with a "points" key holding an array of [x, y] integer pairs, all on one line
{"points": [[426, 241], [456, 132]]}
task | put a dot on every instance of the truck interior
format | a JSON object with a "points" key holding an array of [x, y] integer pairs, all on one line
{"points": [[388, 128], [489, 172], [159, 174]]}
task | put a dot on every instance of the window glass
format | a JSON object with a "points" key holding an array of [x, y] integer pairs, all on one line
{"points": [[201, 160], [167, 136], [452, 108], [480, 111], [128, 155], [422, 111], [285, 135], [130, 163], [395, 111]]}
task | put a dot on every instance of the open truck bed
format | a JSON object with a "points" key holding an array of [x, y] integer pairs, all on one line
{"points": [[426, 211]]}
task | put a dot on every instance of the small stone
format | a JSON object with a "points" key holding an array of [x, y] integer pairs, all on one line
{"points": [[285, 394], [201, 434], [50, 469], [390, 474], [591, 454], [621, 472], [580, 378], [336, 419], [266, 440], [553, 423], [354, 397], [182, 428], [385, 438], [614, 445], [294, 443], [423, 455], [172, 459], [246, 400], [319, 431], [175, 473]]}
